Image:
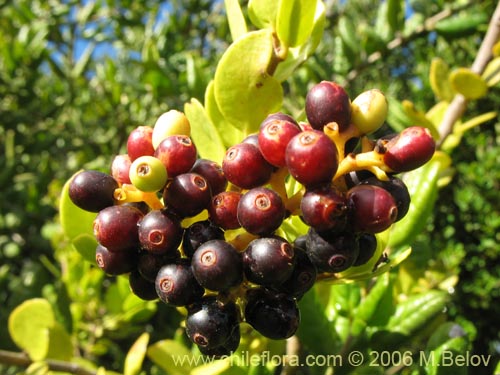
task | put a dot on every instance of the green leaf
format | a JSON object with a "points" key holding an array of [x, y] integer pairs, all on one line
{"points": [[86, 245], [29, 325], [438, 78], [471, 85], [244, 90], [371, 310], [461, 25], [74, 220], [60, 345], [418, 118], [395, 17], [205, 135], [136, 354], [348, 34], [491, 73], [237, 24], [295, 21], [173, 357], [262, 13]]}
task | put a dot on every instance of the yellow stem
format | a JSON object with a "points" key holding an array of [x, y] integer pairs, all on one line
{"points": [[129, 193]]}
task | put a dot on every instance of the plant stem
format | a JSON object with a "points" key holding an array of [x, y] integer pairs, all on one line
{"points": [[459, 103], [22, 360]]}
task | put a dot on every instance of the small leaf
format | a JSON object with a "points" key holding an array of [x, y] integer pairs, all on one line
{"points": [[295, 21], [136, 354], [74, 220], [491, 73], [205, 135], [244, 90], [236, 20], [29, 325], [86, 245], [438, 78], [436, 113], [262, 13], [172, 357], [60, 345], [460, 25], [347, 32], [471, 85], [418, 118], [395, 14]]}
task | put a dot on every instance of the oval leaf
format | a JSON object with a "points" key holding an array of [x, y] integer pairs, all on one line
{"points": [[295, 21], [244, 90], [262, 13], [172, 357], [491, 73], [471, 85], [237, 24], [86, 245], [438, 77], [136, 354]]}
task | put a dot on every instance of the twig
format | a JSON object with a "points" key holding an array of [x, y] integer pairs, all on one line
{"points": [[292, 349], [459, 103], [22, 360]]}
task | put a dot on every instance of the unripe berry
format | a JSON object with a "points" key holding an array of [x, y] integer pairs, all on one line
{"points": [[172, 122], [369, 111], [148, 174]]}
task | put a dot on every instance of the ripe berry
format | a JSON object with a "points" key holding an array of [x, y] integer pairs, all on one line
{"points": [[217, 265], [302, 278], [274, 315], [328, 102], [398, 190], [212, 172], [374, 209], [147, 173], [311, 158], [197, 234], [367, 247], [325, 208], [225, 349], [92, 190], [176, 285], [115, 227], [274, 136], [120, 168], [148, 264], [114, 263], [141, 287], [172, 122], [223, 209], [412, 148], [160, 232], [140, 142], [268, 261], [177, 153], [244, 166], [278, 116], [331, 252], [210, 324], [260, 211], [187, 194]]}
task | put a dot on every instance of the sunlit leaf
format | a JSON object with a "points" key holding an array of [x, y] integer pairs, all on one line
{"points": [[60, 344], [136, 355], [262, 13], [438, 79], [471, 85], [236, 20], [436, 113], [395, 15], [172, 357], [244, 90], [491, 73], [295, 21], [86, 245], [418, 118]]}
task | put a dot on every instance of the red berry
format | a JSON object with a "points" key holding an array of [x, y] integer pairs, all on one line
{"points": [[311, 158], [223, 209], [328, 102], [187, 194], [120, 168], [92, 190], [212, 172], [177, 153], [160, 233], [139, 142], [274, 136]]}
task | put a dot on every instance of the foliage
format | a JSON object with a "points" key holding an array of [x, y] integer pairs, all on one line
{"points": [[62, 109]]}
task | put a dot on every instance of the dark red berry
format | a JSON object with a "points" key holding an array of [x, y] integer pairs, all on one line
{"points": [[253, 139], [367, 247], [412, 148], [302, 278], [261, 211], [311, 158], [148, 264], [274, 136], [278, 116], [328, 102], [177, 153], [325, 208], [225, 349], [115, 227], [160, 233], [374, 209], [197, 234], [139, 142], [120, 168], [212, 172], [187, 194], [92, 190], [274, 315], [141, 287], [175, 284], [217, 265], [210, 324], [331, 252], [268, 261], [223, 209], [244, 166], [115, 263]]}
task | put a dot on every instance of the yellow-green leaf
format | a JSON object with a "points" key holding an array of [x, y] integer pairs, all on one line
{"points": [[86, 245], [237, 24], [295, 21], [436, 113], [262, 13], [471, 85], [60, 345], [496, 49], [438, 78], [419, 118], [29, 325], [172, 357], [136, 354], [491, 73], [244, 90]]}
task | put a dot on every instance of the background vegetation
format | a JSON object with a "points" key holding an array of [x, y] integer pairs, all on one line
{"points": [[76, 77]]}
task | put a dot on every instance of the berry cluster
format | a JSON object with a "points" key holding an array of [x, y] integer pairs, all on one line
{"points": [[206, 236]]}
